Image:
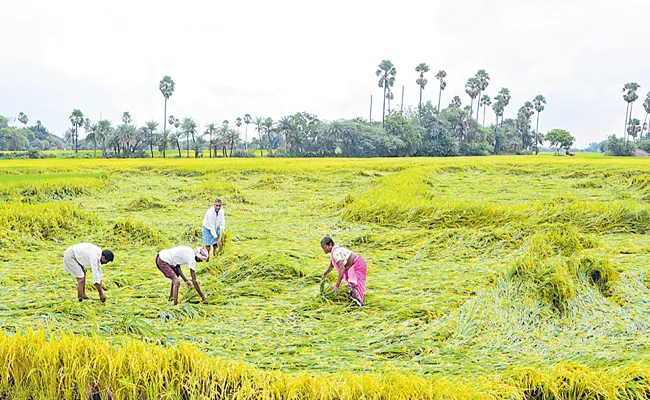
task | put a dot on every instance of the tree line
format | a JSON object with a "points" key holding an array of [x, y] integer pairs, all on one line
{"points": [[425, 130]]}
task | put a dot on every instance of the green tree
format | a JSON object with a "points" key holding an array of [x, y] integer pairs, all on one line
{"points": [[175, 136], [126, 118], [163, 140], [455, 102], [646, 107], [13, 139], [539, 103], [151, 133], [259, 122], [634, 128], [269, 129], [523, 124], [247, 121], [441, 75], [560, 139], [386, 73], [505, 99], [77, 119], [286, 127], [630, 97], [422, 68], [211, 130], [472, 89], [402, 128], [485, 102], [483, 81], [189, 129], [498, 107], [104, 129], [167, 87], [22, 117]]}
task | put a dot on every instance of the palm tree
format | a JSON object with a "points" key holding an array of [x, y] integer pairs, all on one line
{"points": [[472, 89], [126, 118], [91, 134], [421, 81], [497, 106], [483, 79], [232, 137], [22, 117], [455, 102], [441, 75], [505, 99], [103, 131], [189, 128], [485, 102], [150, 128], [210, 130], [164, 139], [539, 103], [167, 87], [269, 129], [286, 126], [259, 121], [77, 119], [630, 97], [247, 120], [634, 128], [646, 107], [238, 122], [386, 73], [389, 97], [175, 137]]}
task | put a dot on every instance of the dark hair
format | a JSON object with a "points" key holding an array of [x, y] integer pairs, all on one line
{"points": [[108, 255], [327, 241], [218, 201]]}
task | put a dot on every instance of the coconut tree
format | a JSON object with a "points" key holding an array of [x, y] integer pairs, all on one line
{"points": [[103, 131], [483, 79], [485, 102], [386, 73], [22, 117], [422, 68], [77, 119], [634, 128], [167, 87], [441, 75], [247, 120], [472, 89], [126, 118], [539, 103], [497, 106], [150, 130], [259, 121], [238, 122]]}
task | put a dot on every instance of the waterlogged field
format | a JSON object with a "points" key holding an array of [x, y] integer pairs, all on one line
{"points": [[499, 277]]}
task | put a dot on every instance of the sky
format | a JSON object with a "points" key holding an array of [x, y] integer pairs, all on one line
{"points": [[275, 58]]}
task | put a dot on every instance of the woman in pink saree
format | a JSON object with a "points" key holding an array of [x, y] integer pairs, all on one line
{"points": [[352, 269]]}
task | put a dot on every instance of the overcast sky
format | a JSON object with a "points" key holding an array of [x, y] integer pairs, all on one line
{"points": [[275, 58]]}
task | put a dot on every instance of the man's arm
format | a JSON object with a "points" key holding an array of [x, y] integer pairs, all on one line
{"points": [[187, 282], [197, 287], [96, 267]]}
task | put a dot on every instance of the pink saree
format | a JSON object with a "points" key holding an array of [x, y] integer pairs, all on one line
{"points": [[355, 276]]}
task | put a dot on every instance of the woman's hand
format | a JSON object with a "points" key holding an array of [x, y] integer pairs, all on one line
{"points": [[336, 289]]}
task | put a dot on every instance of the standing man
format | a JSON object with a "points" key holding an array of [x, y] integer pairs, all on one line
{"points": [[169, 262], [214, 224], [75, 260]]}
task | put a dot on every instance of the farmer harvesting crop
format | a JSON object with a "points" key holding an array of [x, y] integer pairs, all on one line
{"points": [[214, 224], [352, 269], [75, 260], [169, 262]]}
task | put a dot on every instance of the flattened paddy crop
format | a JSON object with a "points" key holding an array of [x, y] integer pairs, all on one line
{"points": [[500, 277]]}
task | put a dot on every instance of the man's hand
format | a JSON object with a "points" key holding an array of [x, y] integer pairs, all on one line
{"points": [[219, 243], [103, 298]]}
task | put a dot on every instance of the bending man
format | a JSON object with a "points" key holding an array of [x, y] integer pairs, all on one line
{"points": [[169, 262], [75, 260]]}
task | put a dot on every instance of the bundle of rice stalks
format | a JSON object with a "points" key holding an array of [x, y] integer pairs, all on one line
{"points": [[269, 266], [19, 221], [268, 182], [128, 231], [145, 203]]}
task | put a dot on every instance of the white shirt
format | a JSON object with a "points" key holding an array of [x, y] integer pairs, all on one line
{"points": [[89, 255], [212, 221], [179, 256]]}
